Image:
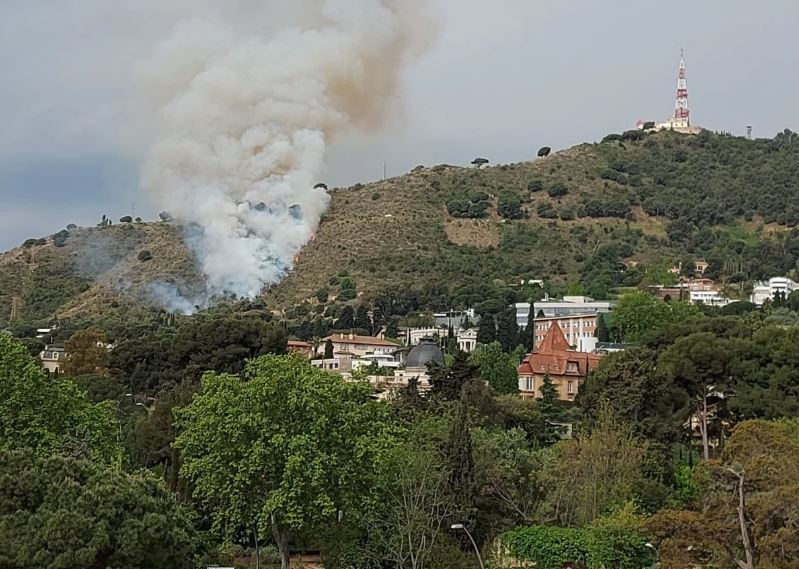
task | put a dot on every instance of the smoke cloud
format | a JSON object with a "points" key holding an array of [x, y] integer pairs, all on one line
{"points": [[244, 119]]}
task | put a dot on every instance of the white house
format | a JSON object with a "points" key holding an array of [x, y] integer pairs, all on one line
{"points": [[467, 339], [708, 298], [52, 358], [765, 290], [568, 306]]}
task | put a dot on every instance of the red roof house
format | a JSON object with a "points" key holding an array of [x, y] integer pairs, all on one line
{"points": [[566, 367]]}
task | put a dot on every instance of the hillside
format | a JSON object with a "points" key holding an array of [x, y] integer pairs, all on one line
{"points": [[590, 218]]}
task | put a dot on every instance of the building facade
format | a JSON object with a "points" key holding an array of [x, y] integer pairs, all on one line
{"points": [[361, 345], [568, 306], [765, 290], [53, 358], [567, 368], [575, 328]]}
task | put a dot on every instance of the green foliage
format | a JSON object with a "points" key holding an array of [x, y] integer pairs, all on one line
{"points": [[49, 414], [210, 342], [497, 367], [611, 542], [558, 190], [639, 313], [616, 541], [73, 514], [509, 206], [284, 447]]}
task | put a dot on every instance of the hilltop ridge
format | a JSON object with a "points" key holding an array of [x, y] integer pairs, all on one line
{"points": [[591, 217]]}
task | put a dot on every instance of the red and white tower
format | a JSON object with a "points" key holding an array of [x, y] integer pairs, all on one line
{"points": [[681, 111]]}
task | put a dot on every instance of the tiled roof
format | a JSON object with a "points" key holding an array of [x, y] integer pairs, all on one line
{"points": [[355, 339], [553, 355]]}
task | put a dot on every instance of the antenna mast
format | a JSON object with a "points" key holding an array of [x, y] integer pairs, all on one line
{"points": [[681, 105]]}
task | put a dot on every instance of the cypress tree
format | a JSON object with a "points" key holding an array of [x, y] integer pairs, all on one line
{"points": [[548, 404], [328, 349], [507, 330], [601, 332], [459, 454], [486, 329]]}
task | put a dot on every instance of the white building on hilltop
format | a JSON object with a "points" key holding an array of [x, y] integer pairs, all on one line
{"points": [[568, 306], [765, 290]]}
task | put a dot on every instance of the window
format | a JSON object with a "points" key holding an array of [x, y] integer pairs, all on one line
{"points": [[528, 383], [572, 367], [570, 387]]}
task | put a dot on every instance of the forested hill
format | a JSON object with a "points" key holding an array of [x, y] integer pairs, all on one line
{"points": [[590, 218]]}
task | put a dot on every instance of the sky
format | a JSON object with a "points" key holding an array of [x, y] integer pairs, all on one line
{"points": [[500, 80]]}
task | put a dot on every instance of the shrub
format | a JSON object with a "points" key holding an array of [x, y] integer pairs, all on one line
{"points": [[144, 256], [375, 196], [125, 219], [544, 151], [557, 190], [509, 206], [535, 185], [346, 294], [71, 226], [611, 138]]}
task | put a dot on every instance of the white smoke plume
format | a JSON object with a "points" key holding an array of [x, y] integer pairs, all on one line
{"points": [[244, 119]]}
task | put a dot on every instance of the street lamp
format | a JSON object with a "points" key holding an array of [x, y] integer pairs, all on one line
{"points": [[476, 550]]}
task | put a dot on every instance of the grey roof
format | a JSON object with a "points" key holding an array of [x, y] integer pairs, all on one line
{"points": [[427, 351]]}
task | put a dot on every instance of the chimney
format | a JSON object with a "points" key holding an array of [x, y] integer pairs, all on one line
{"points": [[341, 335], [351, 336]]}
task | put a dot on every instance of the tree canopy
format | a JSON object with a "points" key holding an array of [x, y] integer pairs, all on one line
{"points": [[50, 414]]}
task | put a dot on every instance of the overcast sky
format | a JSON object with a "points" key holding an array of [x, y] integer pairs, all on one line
{"points": [[502, 79]]}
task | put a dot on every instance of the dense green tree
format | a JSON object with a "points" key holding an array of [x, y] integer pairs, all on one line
{"points": [[701, 365], [506, 470], [629, 384], [507, 329], [329, 348], [497, 367], [601, 332], [282, 448], [447, 381], [86, 353], [509, 206], [74, 514], [50, 414], [347, 319], [458, 451], [593, 473], [362, 319], [548, 403], [221, 343], [486, 329], [639, 313]]}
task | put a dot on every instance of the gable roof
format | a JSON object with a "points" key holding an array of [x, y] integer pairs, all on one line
{"points": [[554, 341], [555, 357]]}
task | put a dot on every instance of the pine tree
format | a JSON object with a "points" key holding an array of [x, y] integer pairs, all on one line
{"points": [[486, 329]]}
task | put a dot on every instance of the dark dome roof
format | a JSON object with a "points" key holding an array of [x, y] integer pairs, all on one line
{"points": [[427, 351]]}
